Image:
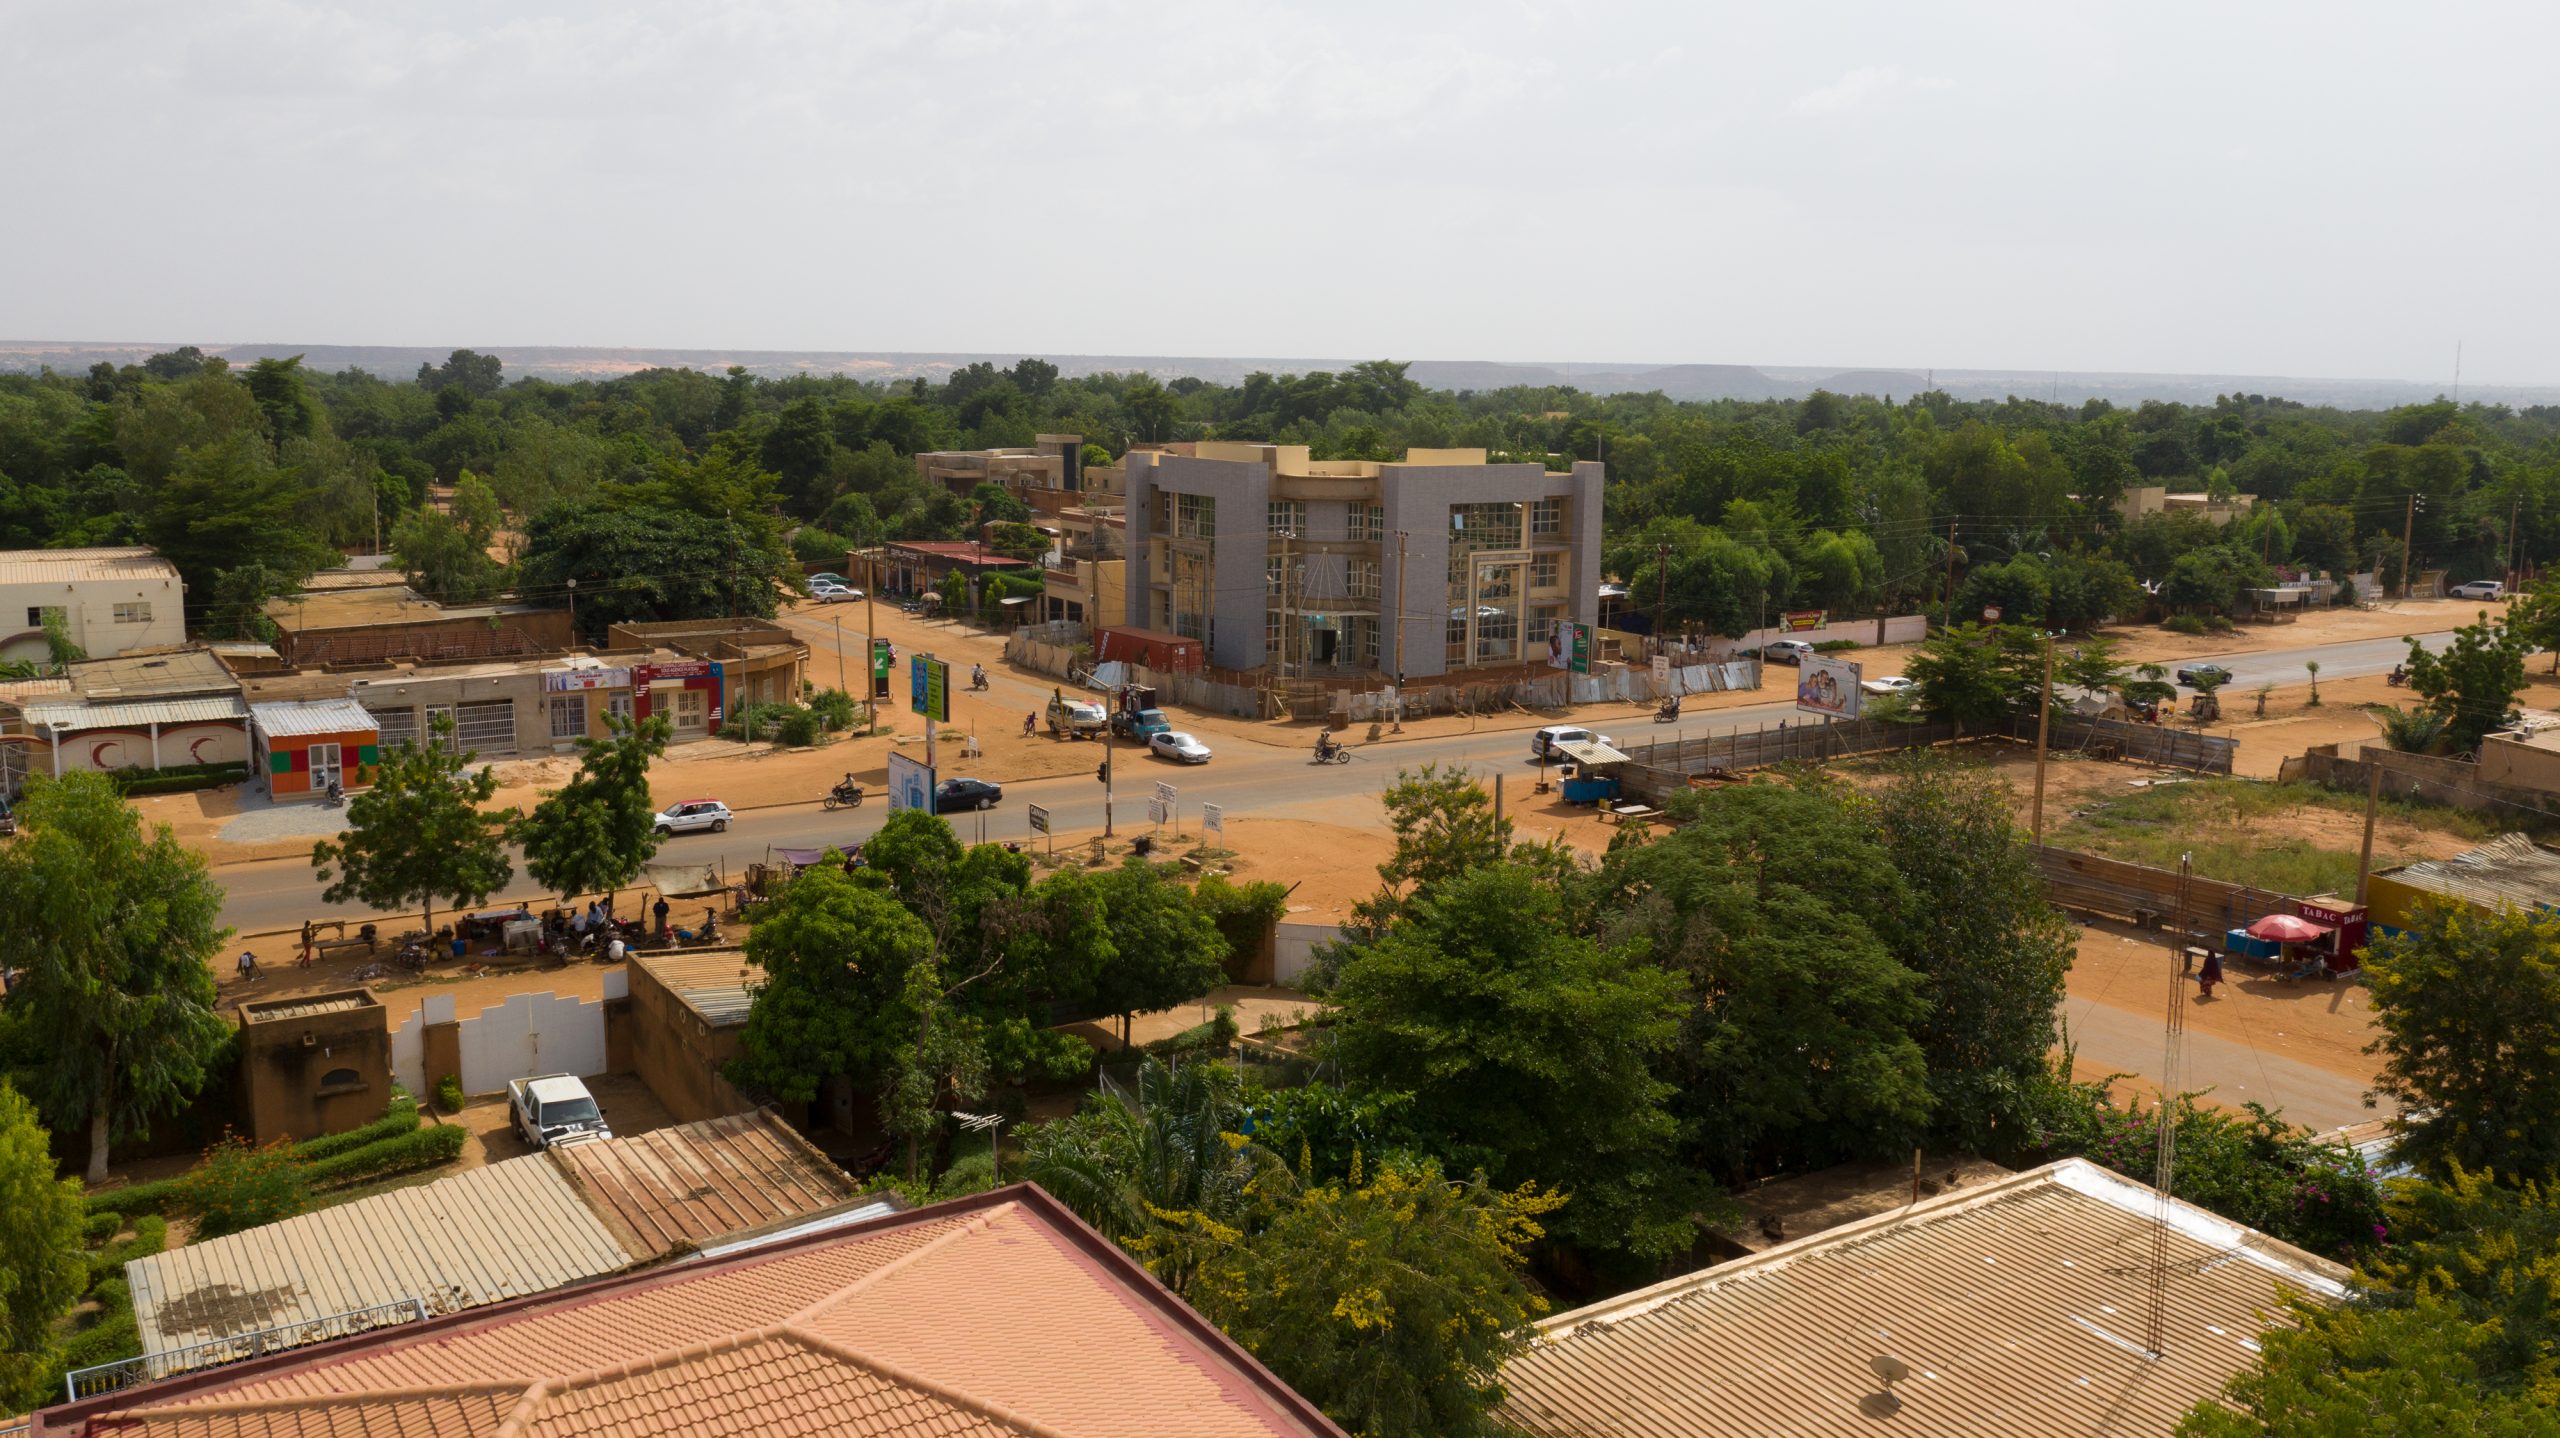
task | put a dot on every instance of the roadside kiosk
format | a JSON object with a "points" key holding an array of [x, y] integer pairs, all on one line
{"points": [[1593, 775]]}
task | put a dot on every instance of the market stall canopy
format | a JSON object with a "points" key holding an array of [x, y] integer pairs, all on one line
{"points": [[2286, 929], [1585, 751]]}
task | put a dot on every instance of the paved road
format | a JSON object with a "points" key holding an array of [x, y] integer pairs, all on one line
{"points": [[1246, 777], [2113, 1039]]}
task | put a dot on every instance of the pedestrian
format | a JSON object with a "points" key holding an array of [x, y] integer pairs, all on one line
{"points": [[614, 952], [1030, 722], [248, 967], [2210, 974], [660, 910], [310, 942]]}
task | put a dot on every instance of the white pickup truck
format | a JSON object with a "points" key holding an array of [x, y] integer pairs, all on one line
{"points": [[555, 1110]]}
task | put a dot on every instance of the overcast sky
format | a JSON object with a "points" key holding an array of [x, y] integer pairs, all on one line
{"points": [[2327, 189]]}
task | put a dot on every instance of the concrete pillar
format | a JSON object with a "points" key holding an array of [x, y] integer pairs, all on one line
{"points": [[155, 743]]}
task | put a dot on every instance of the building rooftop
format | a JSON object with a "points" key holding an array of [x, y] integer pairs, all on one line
{"points": [[376, 604], [2509, 869], [309, 1006], [997, 1314], [313, 716], [151, 674], [63, 566], [2019, 1305], [520, 1226], [965, 551], [354, 578], [1818, 1202], [713, 985]]}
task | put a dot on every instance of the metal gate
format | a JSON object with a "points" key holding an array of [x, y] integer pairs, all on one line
{"points": [[396, 726], [488, 727]]}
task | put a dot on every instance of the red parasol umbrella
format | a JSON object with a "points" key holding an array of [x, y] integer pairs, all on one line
{"points": [[2286, 929]]}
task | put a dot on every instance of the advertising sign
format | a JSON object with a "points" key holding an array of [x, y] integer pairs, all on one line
{"points": [[931, 680], [881, 657], [910, 783], [1828, 687], [556, 680], [1213, 820], [1796, 621], [1039, 820], [1166, 791], [1662, 673], [1569, 647], [679, 669], [1155, 811]]}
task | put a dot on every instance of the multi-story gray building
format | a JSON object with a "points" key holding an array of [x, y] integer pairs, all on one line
{"points": [[1353, 568]]}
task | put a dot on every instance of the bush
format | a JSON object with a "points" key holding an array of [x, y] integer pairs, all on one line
{"points": [[812, 545], [104, 1223], [396, 1120], [771, 722], [2219, 624], [1834, 646], [135, 1198], [449, 1093], [150, 1235], [2183, 624], [177, 778], [834, 707], [416, 1149], [242, 1185], [799, 729]]}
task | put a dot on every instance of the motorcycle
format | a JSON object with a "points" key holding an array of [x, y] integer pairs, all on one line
{"points": [[1668, 713], [708, 934], [978, 681], [337, 795], [1333, 754], [843, 797], [2398, 678]]}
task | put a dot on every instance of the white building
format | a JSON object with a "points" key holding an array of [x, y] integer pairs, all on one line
{"points": [[110, 600]]}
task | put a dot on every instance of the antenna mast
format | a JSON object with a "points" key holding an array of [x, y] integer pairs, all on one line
{"points": [[2165, 1174]]}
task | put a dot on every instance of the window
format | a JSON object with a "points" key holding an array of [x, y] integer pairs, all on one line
{"points": [[395, 727], [568, 716], [40, 615], [138, 612], [691, 711], [1288, 516], [1546, 517], [487, 726], [1272, 622], [1369, 522], [1363, 579], [1546, 572], [341, 1081], [618, 705], [1543, 621], [1195, 516], [1275, 573], [1368, 639]]}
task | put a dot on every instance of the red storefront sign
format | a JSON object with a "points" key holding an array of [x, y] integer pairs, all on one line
{"points": [[2348, 920]]}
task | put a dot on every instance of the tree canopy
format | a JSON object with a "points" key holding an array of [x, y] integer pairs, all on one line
{"points": [[418, 835]]}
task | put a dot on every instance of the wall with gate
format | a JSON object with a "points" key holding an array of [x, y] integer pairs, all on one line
{"points": [[1294, 950], [528, 1034]]}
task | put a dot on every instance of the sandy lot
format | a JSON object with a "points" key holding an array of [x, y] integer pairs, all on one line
{"points": [[2324, 1025]]}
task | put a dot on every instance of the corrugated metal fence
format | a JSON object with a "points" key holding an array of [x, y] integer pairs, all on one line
{"points": [[2099, 885]]}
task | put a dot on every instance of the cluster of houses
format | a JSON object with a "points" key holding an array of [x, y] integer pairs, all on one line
{"points": [[360, 662]]}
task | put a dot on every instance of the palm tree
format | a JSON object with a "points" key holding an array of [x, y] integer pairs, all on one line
{"points": [[2314, 666]]}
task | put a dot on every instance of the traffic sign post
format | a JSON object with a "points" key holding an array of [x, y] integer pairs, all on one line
{"points": [[1040, 825], [1213, 820], [1165, 796]]}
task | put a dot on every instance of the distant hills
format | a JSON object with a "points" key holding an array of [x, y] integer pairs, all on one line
{"points": [[1680, 381]]}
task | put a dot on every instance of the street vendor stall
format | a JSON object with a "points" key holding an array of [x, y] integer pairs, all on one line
{"points": [[2287, 933], [1592, 773]]}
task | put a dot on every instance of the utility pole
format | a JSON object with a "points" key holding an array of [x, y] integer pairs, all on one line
{"points": [[2044, 717], [573, 610], [2408, 532], [2515, 516], [1661, 587], [870, 666], [1951, 574], [840, 652], [2372, 803], [1106, 780]]}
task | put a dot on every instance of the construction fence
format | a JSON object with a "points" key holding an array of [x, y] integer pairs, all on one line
{"points": [[2147, 895]]}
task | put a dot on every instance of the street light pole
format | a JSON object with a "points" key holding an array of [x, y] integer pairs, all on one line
{"points": [[573, 611]]}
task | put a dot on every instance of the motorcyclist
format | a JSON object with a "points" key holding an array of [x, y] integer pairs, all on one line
{"points": [[1670, 706], [1324, 747], [845, 788], [977, 676], [2399, 675]]}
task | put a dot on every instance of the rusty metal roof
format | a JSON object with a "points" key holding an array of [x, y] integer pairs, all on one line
{"points": [[2020, 1307], [310, 1007], [678, 1187]]}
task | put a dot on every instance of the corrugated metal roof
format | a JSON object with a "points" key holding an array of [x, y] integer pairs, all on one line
{"points": [[313, 716], [136, 713], [713, 985], [2509, 869], [680, 1186], [498, 1232], [61, 566], [2019, 1306], [306, 1008]]}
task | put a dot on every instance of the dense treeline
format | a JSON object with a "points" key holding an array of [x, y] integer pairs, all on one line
{"points": [[1728, 510]]}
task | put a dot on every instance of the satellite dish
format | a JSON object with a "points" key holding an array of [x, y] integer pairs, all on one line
{"points": [[1889, 1370]]}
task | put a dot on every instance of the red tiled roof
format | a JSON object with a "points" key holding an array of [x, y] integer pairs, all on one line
{"points": [[989, 1317]]}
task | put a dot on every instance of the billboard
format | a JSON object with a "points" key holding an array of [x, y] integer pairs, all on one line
{"points": [[1797, 621], [1569, 647], [931, 679], [910, 783], [1828, 687]]}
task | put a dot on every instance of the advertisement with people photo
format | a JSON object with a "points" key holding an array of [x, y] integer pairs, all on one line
{"points": [[1828, 687]]}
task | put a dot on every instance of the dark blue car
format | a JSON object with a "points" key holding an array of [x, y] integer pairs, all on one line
{"points": [[962, 795]]}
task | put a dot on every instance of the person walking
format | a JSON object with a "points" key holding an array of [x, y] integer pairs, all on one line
{"points": [[660, 911], [2209, 975], [310, 942]]}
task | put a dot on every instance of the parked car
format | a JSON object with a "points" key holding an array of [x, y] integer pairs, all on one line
{"points": [[1543, 743], [693, 815], [961, 795], [1176, 745], [1785, 651], [836, 594], [828, 576], [555, 1111], [1890, 684], [2481, 589], [1078, 716], [2195, 675]]}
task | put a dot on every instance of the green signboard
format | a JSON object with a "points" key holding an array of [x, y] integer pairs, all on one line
{"points": [[880, 658], [931, 682]]}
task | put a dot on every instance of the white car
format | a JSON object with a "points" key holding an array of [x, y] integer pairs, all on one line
{"points": [[1175, 745], [1891, 684], [2481, 589], [1544, 742], [693, 815], [1786, 651]]}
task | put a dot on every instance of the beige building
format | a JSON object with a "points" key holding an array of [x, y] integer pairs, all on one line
{"points": [[367, 621], [107, 601], [1085, 585], [1349, 569], [1046, 476], [2143, 499]]}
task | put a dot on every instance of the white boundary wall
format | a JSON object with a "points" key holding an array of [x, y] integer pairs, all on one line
{"points": [[528, 1034]]}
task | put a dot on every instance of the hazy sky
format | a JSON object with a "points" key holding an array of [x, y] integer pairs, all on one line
{"points": [[2327, 189]]}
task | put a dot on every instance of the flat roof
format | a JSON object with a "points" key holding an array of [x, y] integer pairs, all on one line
{"points": [[380, 604], [151, 674], [309, 1006], [966, 551], [58, 566], [713, 984], [2509, 869], [2019, 1305], [680, 1187], [1000, 1315]]}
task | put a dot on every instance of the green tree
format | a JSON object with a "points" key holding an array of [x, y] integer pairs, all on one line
{"points": [[646, 561], [598, 830], [1389, 1303], [832, 1003], [227, 504], [1990, 949], [1444, 827], [2468, 1007], [2453, 1328], [2091, 666], [1529, 1052], [290, 412], [1165, 949], [241, 1185], [446, 555], [944, 1066], [113, 1020], [418, 835], [2534, 617], [42, 1269], [2473, 682], [1981, 676]]}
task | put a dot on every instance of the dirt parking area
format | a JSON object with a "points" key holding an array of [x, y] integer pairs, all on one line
{"points": [[2324, 1025]]}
